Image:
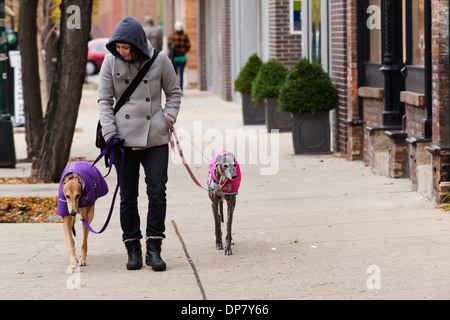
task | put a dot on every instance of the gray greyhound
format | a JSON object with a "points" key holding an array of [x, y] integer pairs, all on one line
{"points": [[223, 184]]}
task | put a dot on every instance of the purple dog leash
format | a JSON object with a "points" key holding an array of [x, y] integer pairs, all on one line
{"points": [[109, 148]]}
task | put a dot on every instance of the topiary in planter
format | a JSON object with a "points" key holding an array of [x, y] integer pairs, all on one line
{"points": [[266, 86], [268, 82], [248, 73], [252, 114], [309, 94], [308, 88]]}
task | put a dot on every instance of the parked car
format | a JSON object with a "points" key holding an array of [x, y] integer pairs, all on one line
{"points": [[96, 54]]}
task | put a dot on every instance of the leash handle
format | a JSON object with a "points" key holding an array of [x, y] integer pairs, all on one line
{"points": [[109, 148], [173, 133]]}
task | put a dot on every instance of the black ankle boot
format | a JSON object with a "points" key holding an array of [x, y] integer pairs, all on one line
{"points": [[134, 254], [153, 256]]}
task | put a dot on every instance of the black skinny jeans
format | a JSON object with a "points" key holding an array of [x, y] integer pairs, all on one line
{"points": [[155, 162]]}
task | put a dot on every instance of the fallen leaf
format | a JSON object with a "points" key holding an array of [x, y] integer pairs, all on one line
{"points": [[321, 284]]}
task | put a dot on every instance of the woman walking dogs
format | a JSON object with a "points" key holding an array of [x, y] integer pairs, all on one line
{"points": [[143, 129]]}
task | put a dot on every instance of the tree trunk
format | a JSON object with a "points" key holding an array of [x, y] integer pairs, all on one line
{"points": [[65, 96], [30, 76], [49, 43]]}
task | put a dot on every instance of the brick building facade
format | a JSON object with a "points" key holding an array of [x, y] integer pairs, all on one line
{"points": [[389, 60], [112, 11], [283, 45], [397, 109]]}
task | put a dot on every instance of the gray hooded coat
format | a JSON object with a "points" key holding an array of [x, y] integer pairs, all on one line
{"points": [[140, 122]]}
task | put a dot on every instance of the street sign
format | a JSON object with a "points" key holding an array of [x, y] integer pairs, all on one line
{"points": [[14, 60]]}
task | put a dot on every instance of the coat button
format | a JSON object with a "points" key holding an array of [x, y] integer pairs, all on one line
{"points": [[148, 117], [127, 81], [147, 99], [145, 81], [128, 99], [127, 116], [118, 73]]}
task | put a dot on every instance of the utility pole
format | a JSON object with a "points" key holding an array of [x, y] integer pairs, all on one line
{"points": [[8, 152]]}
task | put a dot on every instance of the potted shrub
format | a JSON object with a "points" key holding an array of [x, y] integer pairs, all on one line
{"points": [[253, 114], [266, 86], [309, 94]]}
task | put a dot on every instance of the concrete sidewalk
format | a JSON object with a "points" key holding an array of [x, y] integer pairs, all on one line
{"points": [[316, 227]]}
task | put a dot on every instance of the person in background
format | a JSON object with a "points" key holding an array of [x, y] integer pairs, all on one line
{"points": [[179, 45], [154, 35]]}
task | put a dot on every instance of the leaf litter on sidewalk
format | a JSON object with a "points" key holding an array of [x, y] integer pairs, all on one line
{"points": [[26, 209]]}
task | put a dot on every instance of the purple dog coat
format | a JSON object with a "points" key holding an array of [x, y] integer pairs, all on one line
{"points": [[231, 186], [94, 186]]}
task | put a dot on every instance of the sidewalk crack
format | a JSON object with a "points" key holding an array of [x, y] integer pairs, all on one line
{"points": [[191, 262]]}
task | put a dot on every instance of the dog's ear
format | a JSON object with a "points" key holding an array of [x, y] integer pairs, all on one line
{"points": [[80, 181], [72, 176], [219, 159], [234, 161], [67, 178]]}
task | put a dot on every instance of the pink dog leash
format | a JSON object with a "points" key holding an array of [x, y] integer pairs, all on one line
{"points": [[173, 133]]}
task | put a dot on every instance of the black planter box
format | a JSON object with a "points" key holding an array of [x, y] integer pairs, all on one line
{"points": [[8, 151], [311, 133], [276, 119], [252, 114]]}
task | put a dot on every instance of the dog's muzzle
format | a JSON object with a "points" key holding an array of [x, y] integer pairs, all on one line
{"points": [[73, 214]]}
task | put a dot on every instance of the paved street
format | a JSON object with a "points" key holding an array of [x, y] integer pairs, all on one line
{"points": [[305, 227]]}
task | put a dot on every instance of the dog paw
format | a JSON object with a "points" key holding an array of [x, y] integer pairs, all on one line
{"points": [[73, 266], [219, 246], [73, 263], [228, 251], [83, 264]]}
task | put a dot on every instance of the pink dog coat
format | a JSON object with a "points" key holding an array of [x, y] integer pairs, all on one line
{"points": [[231, 186]]}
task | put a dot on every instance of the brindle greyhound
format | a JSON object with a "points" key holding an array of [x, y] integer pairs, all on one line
{"points": [[223, 184]]}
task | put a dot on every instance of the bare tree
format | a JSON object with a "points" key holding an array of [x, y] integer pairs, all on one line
{"points": [[50, 30], [65, 96], [30, 76]]}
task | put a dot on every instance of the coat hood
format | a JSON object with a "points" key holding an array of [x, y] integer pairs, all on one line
{"points": [[129, 30], [94, 186]]}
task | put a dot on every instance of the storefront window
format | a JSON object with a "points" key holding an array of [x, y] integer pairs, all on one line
{"points": [[374, 26], [316, 39], [414, 32], [296, 16], [418, 33]]}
